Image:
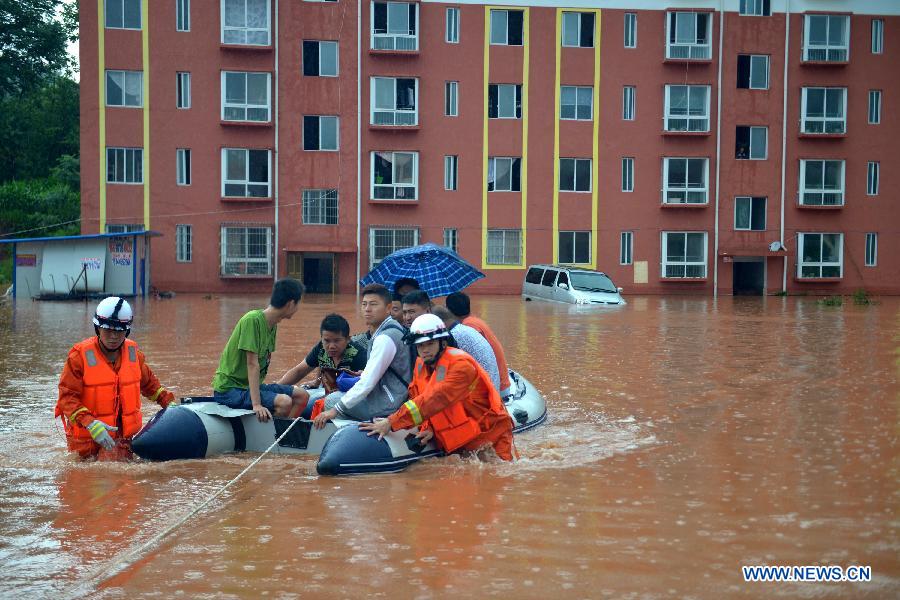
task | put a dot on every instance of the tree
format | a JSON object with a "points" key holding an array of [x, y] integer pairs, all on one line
{"points": [[33, 39]]}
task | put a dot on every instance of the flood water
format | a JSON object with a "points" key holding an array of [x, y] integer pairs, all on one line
{"points": [[686, 438]]}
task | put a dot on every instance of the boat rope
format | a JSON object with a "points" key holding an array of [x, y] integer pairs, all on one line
{"points": [[125, 559]]}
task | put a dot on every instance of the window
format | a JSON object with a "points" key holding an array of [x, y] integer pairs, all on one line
{"points": [[872, 173], [245, 22], [871, 249], [320, 133], [183, 166], [688, 35], [245, 96], [506, 27], [687, 108], [124, 165], [182, 90], [504, 247], [452, 36], [753, 72], [750, 143], [877, 36], [821, 182], [575, 174], [874, 107], [575, 247], [450, 170], [684, 180], [631, 30], [395, 26], [451, 239], [626, 247], [123, 14], [534, 275], [504, 174], [576, 103], [826, 38], [504, 101], [628, 174], [183, 16], [320, 207], [124, 228], [823, 110], [395, 175], [749, 213], [183, 241], [394, 101], [821, 255], [628, 103], [320, 59], [683, 254], [245, 173], [755, 8], [451, 98], [578, 29], [246, 251], [124, 88], [384, 241]]}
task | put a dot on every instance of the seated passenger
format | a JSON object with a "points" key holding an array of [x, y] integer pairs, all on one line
{"points": [[415, 304], [405, 285], [472, 342], [458, 304]]}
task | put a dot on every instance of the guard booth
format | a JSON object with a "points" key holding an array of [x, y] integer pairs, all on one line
{"points": [[81, 266]]}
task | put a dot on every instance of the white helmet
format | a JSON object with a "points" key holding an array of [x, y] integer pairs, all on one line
{"points": [[113, 313], [426, 327]]}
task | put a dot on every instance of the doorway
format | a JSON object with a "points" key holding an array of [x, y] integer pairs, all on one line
{"points": [[319, 272], [749, 276]]}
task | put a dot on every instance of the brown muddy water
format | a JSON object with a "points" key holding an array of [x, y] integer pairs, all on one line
{"points": [[686, 438]]}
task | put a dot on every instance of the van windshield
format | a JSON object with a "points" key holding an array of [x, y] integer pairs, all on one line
{"points": [[592, 282]]}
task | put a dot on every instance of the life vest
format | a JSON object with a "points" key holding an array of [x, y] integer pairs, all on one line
{"points": [[110, 396]]}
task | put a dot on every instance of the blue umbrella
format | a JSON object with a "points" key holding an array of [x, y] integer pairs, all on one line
{"points": [[438, 269]]}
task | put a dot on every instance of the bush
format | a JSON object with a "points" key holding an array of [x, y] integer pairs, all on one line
{"points": [[831, 301]]}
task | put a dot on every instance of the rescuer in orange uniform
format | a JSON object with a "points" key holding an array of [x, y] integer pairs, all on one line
{"points": [[101, 386], [451, 397]]}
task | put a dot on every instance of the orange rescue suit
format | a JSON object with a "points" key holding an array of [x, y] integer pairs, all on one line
{"points": [[455, 398]]}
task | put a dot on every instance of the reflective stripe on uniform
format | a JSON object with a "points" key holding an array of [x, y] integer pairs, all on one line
{"points": [[440, 372], [157, 393], [132, 353], [413, 412], [76, 413], [91, 358]]}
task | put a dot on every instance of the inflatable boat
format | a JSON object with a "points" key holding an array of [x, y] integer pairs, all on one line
{"points": [[199, 427]]}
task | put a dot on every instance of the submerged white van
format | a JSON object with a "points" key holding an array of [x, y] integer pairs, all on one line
{"points": [[571, 285]]}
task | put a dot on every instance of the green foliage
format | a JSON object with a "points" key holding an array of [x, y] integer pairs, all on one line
{"points": [[831, 301], [39, 205], [861, 297], [5, 273], [780, 293], [33, 39]]}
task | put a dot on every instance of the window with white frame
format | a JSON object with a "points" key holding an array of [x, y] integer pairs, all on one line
{"points": [[320, 207], [821, 255], [504, 101], [183, 243], [504, 174], [628, 103], [394, 101], [451, 98], [874, 107], [575, 247], [872, 176], [750, 213], [395, 175], [506, 27], [452, 34], [320, 58], [450, 172], [395, 26], [687, 108], [451, 238], [576, 103], [320, 133], [384, 241], [751, 143], [683, 254], [685, 180], [575, 174], [246, 22], [578, 29], [626, 247], [246, 251], [755, 8], [123, 14], [182, 15], [504, 247], [245, 96], [124, 165], [826, 38], [630, 38], [823, 110], [183, 166], [628, 174], [688, 35], [821, 182], [871, 249], [125, 88], [753, 72], [877, 36], [124, 227], [182, 89], [245, 173]]}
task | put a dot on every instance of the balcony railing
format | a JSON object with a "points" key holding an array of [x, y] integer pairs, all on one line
{"points": [[395, 117], [395, 41], [688, 51]]}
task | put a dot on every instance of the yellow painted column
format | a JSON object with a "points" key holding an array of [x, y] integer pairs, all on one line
{"points": [[556, 117], [595, 155], [484, 143], [101, 123], [145, 51], [525, 49]]}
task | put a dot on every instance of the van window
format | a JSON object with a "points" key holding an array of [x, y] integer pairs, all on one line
{"points": [[549, 277], [563, 278], [534, 275]]}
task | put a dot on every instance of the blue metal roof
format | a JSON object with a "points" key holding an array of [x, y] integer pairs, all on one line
{"points": [[89, 236]]}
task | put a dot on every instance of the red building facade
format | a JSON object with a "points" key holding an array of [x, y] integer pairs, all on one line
{"points": [[714, 147]]}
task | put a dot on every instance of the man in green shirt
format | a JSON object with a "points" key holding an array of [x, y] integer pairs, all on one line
{"points": [[245, 359]]}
